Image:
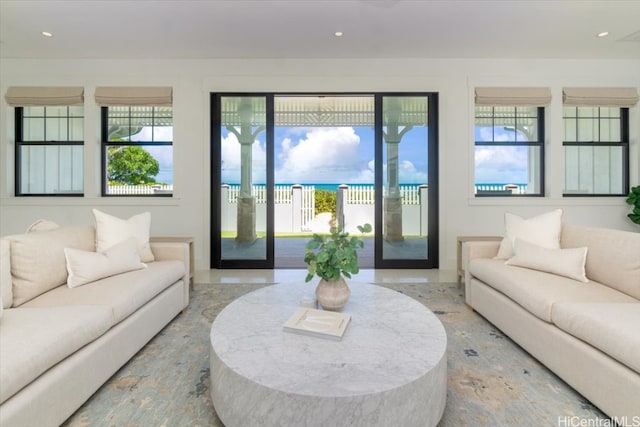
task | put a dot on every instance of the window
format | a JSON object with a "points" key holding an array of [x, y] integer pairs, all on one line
{"points": [[509, 150], [49, 151], [137, 149], [596, 151]]}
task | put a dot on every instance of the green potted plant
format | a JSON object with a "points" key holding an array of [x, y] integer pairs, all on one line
{"points": [[634, 200], [333, 257]]}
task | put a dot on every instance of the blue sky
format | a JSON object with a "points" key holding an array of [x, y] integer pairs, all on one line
{"points": [[325, 155], [345, 155], [500, 165], [163, 154]]}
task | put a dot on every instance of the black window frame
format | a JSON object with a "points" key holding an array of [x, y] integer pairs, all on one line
{"points": [[624, 143], [540, 125], [20, 142], [105, 144]]}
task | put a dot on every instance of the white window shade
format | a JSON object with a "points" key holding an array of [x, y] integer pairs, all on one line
{"points": [[600, 96], [23, 96], [518, 96], [141, 96]]}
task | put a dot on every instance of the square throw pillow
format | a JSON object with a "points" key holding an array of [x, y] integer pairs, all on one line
{"points": [[563, 262], [86, 267], [111, 230], [37, 259], [542, 230]]}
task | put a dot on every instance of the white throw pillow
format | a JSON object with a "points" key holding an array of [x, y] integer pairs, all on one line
{"points": [[111, 230], [85, 267], [542, 230], [563, 262]]}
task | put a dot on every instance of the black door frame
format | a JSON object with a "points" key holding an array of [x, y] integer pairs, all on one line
{"points": [[432, 260], [215, 237]]}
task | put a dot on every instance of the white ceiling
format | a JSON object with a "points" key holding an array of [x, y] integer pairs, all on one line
{"points": [[304, 29]]}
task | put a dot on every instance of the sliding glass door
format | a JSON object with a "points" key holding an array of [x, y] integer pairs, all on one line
{"points": [[285, 166]]}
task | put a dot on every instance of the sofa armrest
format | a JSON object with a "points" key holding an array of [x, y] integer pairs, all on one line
{"points": [[473, 250], [180, 251], [479, 249]]}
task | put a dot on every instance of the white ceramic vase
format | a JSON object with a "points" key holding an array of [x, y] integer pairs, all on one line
{"points": [[332, 294]]}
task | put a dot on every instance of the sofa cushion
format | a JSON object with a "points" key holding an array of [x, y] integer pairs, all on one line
{"points": [[6, 285], [35, 339], [610, 327], [537, 291], [85, 267], [37, 259], [564, 262], [111, 230], [123, 293], [542, 230], [613, 258]]}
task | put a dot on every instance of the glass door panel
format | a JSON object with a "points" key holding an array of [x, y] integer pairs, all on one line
{"points": [[405, 181], [324, 171], [243, 196]]}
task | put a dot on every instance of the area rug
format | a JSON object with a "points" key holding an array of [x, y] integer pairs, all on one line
{"points": [[491, 380]]}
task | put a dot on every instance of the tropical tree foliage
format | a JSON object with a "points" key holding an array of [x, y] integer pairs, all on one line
{"points": [[325, 201], [131, 165]]}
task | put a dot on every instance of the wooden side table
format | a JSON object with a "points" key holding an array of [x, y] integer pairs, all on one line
{"points": [[461, 240], [189, 240]]}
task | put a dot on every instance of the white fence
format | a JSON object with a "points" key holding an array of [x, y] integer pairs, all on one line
{"points": [[365, 194], [281, 193], [139, 190], [294, 207], [501, 188]]}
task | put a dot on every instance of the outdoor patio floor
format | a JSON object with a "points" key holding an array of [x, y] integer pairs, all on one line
{"points": [[289, 252]]}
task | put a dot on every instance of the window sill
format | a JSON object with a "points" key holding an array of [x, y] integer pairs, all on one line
{"points": [[89, 201], [547, 201]]}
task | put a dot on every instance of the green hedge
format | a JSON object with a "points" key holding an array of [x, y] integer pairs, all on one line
{"points": [[325, 202]]}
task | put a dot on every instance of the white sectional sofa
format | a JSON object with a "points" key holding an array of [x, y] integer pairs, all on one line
{"points": [[584, 331], [59, 344]]}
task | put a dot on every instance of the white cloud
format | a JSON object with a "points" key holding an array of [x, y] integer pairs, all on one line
{"points": [[163, 154], [314, 155], [408, 173], [231, 159], [323, 155], [501, 165]]}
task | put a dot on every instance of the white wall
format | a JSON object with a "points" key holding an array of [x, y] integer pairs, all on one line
{"points": [[187, 213]]}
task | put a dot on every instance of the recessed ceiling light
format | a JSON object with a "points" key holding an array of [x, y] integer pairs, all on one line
{"points": [[603, 34], [46, 34], [338, 33]]}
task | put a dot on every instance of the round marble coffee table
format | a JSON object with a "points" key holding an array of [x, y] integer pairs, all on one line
{"points": [[390, 368]]}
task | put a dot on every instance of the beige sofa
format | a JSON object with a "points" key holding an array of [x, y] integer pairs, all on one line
{"points": [[587, 333], [59, 344]]}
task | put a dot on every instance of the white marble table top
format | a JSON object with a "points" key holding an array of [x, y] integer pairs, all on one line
{"points": [[392, 341]]}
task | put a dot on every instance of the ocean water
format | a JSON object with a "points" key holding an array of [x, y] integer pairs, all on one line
{"points": [[334, 187]]}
